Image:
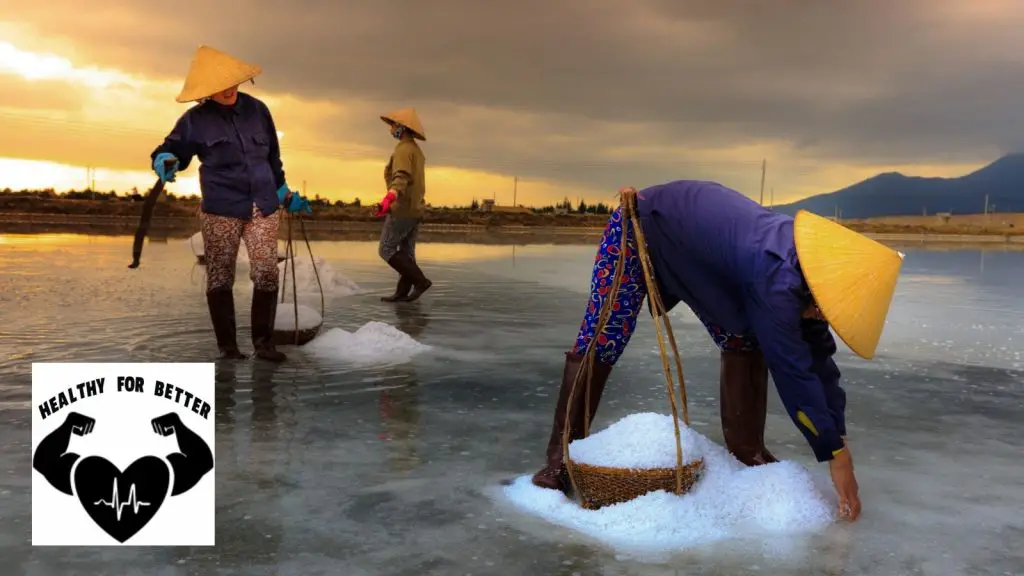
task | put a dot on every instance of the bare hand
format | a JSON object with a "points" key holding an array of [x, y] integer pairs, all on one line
{"points": [[845, 482], [164, 425], [80, 423]]}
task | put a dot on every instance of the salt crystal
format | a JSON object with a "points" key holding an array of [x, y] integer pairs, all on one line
{"points": [[643, 440], [729, 501], [285, 319], [374, 342], [333, 282]]}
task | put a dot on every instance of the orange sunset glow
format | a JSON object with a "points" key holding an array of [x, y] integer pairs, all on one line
{"points": [[68, 105]]}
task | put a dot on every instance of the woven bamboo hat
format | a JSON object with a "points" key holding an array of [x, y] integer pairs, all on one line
{"points": [[407, 117], [213, 71], [851, 277]]}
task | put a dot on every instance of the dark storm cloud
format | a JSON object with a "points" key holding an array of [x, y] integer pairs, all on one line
{"points": [[865, 81]]}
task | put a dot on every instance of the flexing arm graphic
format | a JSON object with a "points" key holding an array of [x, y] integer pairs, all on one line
{"points": [[52, 458], [192, 461]]}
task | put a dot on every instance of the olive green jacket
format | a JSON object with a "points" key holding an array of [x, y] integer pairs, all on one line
{"points": [[405, 175]]}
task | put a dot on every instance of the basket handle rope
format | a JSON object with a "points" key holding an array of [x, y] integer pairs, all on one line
{"points": [[289, 257], [628, 213]]}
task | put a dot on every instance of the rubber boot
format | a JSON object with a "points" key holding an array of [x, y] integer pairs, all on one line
{"points": [[264, 312], [408, 268], [401, 290], [744, 406], [221, 303], [554, 475]]}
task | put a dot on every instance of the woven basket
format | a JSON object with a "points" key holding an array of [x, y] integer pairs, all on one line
{"points": [[598, 486], [287, 337]]}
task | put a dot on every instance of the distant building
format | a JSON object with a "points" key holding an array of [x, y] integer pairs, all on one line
{"points": [[943, 217], [490, 206]]}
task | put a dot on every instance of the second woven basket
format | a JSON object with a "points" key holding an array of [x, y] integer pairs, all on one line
{"points": [[598, 486]]}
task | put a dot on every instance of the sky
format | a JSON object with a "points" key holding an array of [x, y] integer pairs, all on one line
{"points": [[575, 98]]}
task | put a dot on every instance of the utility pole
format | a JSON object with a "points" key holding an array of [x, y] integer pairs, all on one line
{"points": [[771, 202], [986, 204], [764, 166], [515, 191]]}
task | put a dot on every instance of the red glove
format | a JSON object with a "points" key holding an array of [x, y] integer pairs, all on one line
{"points": [[385, 204]]}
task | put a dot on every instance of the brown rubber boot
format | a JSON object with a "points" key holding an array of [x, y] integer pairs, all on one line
{"points": [[554, 475], [744, 406], [264, 312], [408, 268], [221, 303], [401, 290]]}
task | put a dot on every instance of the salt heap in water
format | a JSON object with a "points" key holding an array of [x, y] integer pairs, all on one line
{"points": [[372, 343], [729, 501], [285, 319], [334, 283]]}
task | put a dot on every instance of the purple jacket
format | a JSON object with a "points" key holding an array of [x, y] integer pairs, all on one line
{"points": [[239, 152], [734, 263]]}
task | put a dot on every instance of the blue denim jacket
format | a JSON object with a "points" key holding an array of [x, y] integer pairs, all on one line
{"points": [[239, 154], [734, 262]]}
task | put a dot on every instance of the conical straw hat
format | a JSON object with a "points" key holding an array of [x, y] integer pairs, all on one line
{"points": [[407, 117], [851, 277], [213, 71]]}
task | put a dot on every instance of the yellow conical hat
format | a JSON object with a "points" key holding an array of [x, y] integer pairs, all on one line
{"points": [[407, 117], [851, 277], [213, 71]]}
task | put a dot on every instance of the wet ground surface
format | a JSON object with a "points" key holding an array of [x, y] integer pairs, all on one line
{"points": [[325, 467]]}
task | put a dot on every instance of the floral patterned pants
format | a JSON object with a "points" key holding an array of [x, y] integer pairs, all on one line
{"points": [[611, 342], [222, 236]]}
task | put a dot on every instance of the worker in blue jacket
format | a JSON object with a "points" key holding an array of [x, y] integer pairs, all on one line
{"points": [[766, 286], [243, 185]]}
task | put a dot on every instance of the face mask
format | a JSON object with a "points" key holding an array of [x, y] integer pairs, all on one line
{"points": [[397, 131]]}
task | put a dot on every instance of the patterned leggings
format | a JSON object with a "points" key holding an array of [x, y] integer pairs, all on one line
{"points": [[222, 236], [611, 343]]}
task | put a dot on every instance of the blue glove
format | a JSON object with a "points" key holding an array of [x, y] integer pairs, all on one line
{"points": [[283, 193], [165, 172], [299, 204]]}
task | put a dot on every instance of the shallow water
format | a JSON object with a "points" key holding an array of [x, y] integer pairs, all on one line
{"points": [[334, 467]]}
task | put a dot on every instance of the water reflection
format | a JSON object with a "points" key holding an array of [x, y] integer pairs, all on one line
{"points": [[310, 492], [399, 408]]}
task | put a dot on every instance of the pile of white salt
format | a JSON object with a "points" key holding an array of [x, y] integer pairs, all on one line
{"points": [[333, 282], [729, 501], [372, 343], [285, 318]]}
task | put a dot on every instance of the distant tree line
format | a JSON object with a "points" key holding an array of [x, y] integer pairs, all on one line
{"points": [[565, 206]]}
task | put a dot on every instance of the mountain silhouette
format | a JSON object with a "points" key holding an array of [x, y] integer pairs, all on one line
{"points": [[894, 194]]}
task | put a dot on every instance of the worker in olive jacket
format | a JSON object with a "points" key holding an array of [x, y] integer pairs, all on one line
{"points": [[403, 205]]}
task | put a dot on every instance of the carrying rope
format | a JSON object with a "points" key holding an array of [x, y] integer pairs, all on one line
{"points": [[289, 256], [629, 215]]}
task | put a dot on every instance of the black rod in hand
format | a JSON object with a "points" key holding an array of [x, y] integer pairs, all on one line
{"points": [[147, 216]]}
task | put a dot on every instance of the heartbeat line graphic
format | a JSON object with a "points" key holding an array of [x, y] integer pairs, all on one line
{"points": [[117, 505]]}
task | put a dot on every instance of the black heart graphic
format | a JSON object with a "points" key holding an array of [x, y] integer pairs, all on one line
{"points": [[121, 503]]}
